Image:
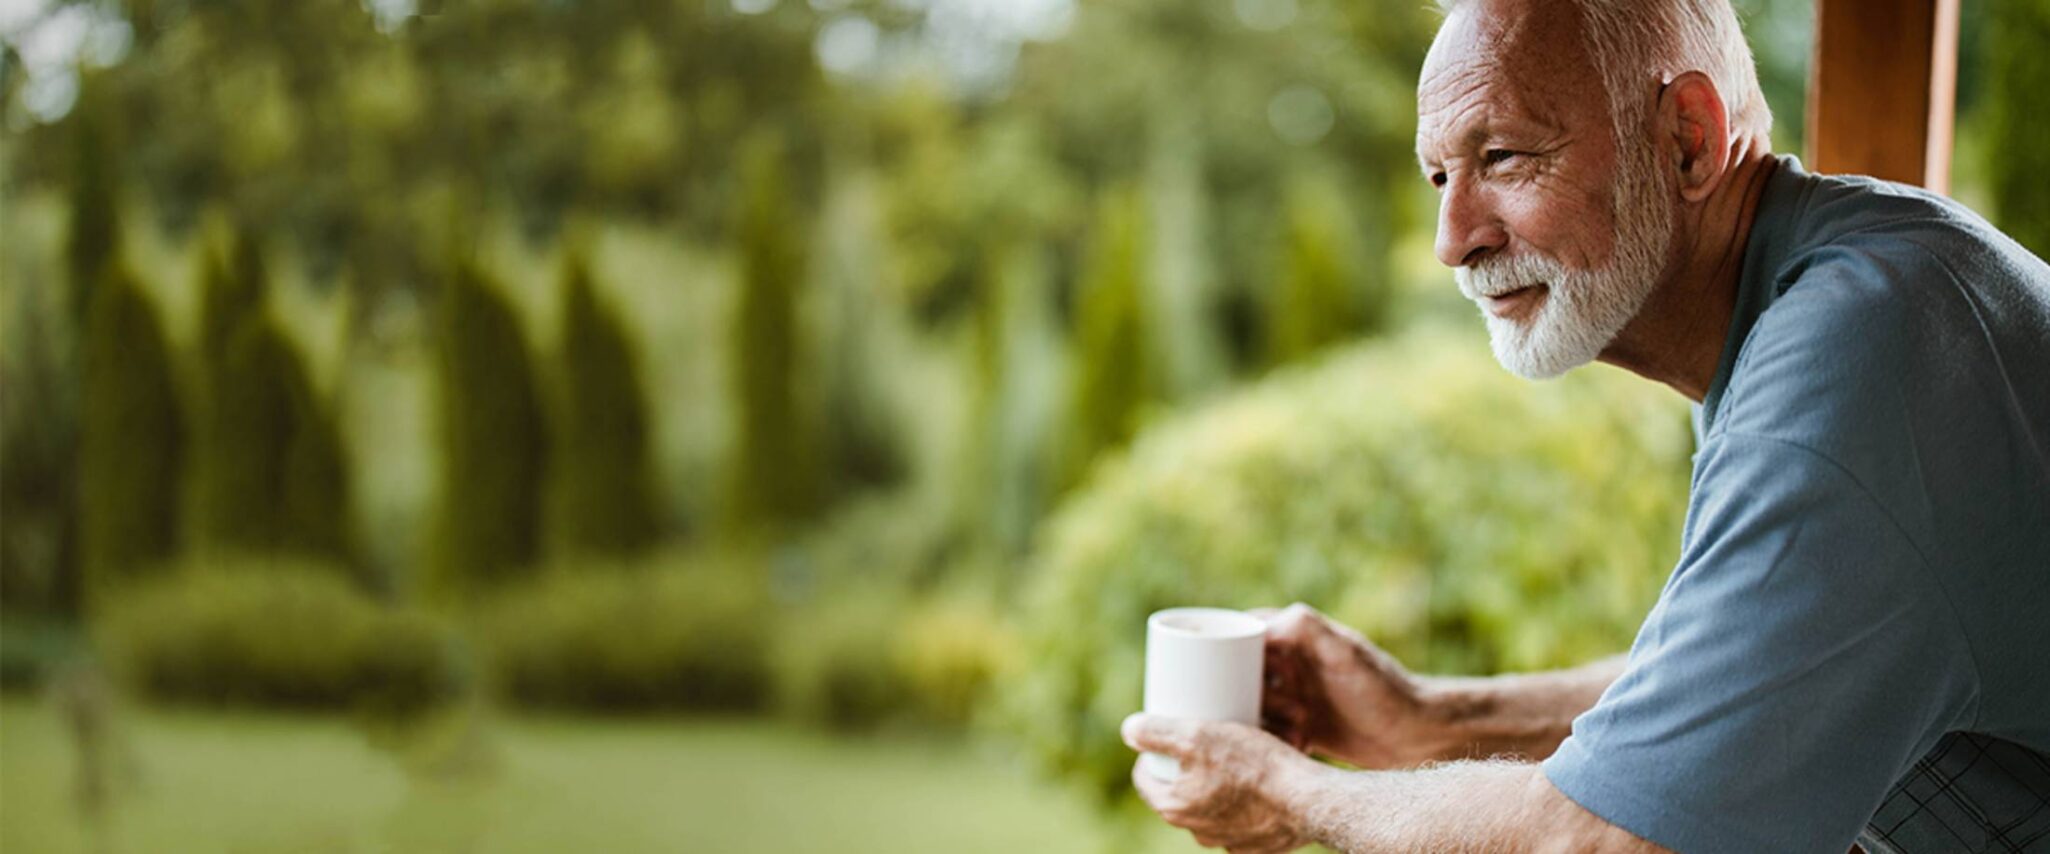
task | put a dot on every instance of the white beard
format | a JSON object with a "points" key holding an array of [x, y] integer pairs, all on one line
{"points": [[1583, 310]]}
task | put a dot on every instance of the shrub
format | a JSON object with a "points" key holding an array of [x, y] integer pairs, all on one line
{"points": [[953, 651], [1464, 520], [836, 661], [863, 658], [493, 449], [276, 634], [603, 499], [678, 634], [132, 436]]}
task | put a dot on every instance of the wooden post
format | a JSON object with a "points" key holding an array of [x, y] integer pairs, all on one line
{"points": [[1882, 89]]}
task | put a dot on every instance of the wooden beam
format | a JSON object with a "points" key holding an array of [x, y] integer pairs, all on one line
{"points": [[1882, 89]]}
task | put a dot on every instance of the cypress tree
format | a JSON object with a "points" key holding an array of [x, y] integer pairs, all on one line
{"points": [[231, 290], [1113, 371], [273, 474], [773, 480], [275, 477], [492, 442], [318, 487], [94, 235], [603, 499], [132, 441], [2019, 74], [1314, 299]]}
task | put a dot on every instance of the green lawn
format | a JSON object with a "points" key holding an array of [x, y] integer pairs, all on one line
{"points": [[218, 782]]}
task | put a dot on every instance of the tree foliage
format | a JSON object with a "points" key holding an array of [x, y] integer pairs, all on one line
{"points": [[492, 442], [773, 477], [92, 242], [1319, 297], [1379, 485], [1113, 370], [602, 493], [2019, 74], [272, 475], [132, 445]]}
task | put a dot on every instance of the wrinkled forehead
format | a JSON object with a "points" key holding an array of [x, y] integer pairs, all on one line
{"points": [[1507, 61]]}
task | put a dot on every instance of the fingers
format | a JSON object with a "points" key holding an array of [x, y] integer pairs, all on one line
{"points": [[1157, 793], [1284, 617], [1157, 734], [1297, 627], [1306, 632], [1288, 720]]}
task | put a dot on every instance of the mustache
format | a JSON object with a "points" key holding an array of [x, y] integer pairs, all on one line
{"points": [[1499, 274]]}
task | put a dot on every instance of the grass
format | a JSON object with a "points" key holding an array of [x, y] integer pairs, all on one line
{"points": [[234, 782]]}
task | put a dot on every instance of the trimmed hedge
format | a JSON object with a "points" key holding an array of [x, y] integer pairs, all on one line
{"points": [[1465, 520], [867, 658], [277, 634], [674, 634]]}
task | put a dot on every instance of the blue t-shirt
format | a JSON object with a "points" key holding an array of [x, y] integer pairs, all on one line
{"points": [[1864, 576]]}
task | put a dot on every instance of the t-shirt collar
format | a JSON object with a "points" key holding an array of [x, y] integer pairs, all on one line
{"points": [[1772, 241]]}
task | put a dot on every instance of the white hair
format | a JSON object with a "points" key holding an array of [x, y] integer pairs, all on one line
{"points": [[1639, 45]]}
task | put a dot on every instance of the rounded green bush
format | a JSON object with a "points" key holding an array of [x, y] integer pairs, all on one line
{"points": [[275, 633], [953, 651], [677, 634], [1464, 519], [835, 662]]}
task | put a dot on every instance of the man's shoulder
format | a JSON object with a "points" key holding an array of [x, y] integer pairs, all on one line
{"points": [[1891, 298]]}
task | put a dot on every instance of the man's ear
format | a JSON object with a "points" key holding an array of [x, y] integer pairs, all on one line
{"points": [[1692, 119]]}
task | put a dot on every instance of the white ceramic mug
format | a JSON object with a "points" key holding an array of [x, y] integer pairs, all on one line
{"points": [[1204, 664]]}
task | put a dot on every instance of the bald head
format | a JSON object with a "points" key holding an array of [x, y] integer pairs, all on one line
{"points": [[1635, 46]]}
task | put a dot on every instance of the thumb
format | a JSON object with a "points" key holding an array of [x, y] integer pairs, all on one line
{"points": [[1157, 734]]}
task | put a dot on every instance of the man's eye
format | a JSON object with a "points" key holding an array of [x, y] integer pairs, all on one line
{"points": [[1437, 179], [1495, 156]]}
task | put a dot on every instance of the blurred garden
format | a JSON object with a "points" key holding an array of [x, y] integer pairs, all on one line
{"points": [[759, 425]]}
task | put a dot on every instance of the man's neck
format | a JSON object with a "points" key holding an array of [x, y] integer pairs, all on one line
{"points": [[1677, 337]]}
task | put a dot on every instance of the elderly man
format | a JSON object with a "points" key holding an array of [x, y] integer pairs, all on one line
{"points": [[1855, 645]]}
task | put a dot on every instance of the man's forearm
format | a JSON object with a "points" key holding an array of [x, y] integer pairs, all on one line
{"points": [[1525, 715], [1461, 806]]}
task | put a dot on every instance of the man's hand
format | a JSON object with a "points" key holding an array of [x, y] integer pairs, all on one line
{"points": [[1238, 786], [1244, 790], [1332, 692]]}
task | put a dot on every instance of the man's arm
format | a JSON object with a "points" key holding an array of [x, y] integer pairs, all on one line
{"points": [[1332, 692], [1524, 714], [1242, 789], [1462, 806]]}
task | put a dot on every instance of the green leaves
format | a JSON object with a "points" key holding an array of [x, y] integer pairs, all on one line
{"points": [[131, 438], [494, 449], [602, 493], [1467, 521]]}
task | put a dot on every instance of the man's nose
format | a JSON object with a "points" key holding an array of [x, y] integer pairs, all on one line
{"points": [[1468, 229]]}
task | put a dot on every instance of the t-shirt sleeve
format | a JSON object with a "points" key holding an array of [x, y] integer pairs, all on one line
{"points": [[1798, 661]]}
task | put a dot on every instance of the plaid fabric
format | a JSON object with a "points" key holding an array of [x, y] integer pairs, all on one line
{"points": [[1970, 793]]}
